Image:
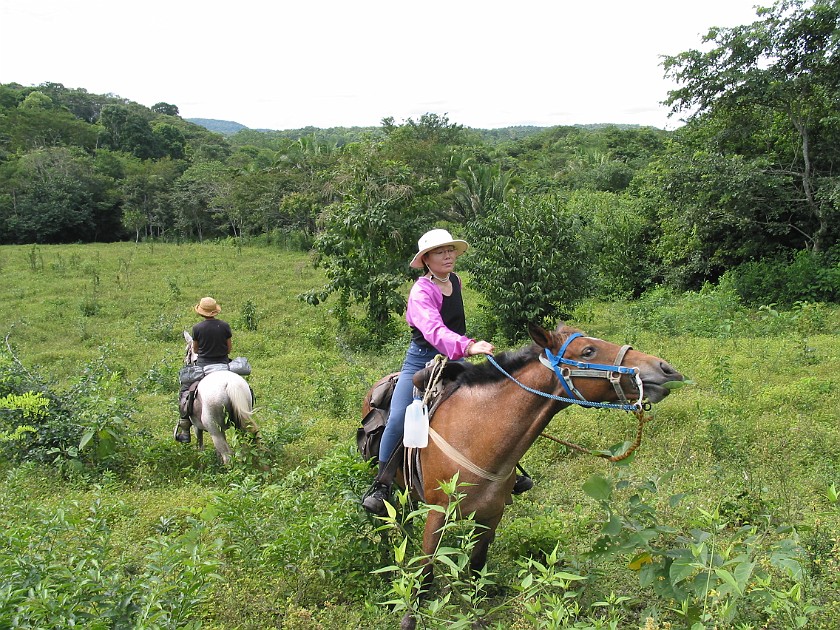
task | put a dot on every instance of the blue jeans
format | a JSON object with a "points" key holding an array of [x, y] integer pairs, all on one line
{"points": [[416, 359]]}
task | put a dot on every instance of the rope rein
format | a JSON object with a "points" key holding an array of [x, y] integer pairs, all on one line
{"points": [[643, 419], [612, 373]]}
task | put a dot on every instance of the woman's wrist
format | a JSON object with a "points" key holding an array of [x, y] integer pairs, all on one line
{"points": [[468, 348]]}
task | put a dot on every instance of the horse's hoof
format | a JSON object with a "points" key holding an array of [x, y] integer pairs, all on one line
{"points": [[408, 623]]}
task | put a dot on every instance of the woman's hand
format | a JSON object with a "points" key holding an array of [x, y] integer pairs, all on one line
{"points": [[480, 347]]}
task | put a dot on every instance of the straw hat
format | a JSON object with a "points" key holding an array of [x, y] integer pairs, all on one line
{"points": [[208, 307], [432, 240]]}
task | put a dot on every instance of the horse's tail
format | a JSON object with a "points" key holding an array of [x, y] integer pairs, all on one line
{"points": [[241, 402]]}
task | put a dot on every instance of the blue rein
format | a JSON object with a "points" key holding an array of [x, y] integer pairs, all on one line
{"points": [[564, 374]]}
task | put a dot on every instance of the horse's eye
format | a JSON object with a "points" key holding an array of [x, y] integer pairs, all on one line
{"points": [[588, 352]]}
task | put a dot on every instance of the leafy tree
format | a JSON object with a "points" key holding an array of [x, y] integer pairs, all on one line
{"points": [[126, 130], [36, 100], [39, 124], [147, 187], [431, 146], [199, 200], [387, 193], [367, 237], [713, 212], [616, 236], [529, 262], [479, 189], [54, 195], [784, 67], [165, 108], [169, 141]]}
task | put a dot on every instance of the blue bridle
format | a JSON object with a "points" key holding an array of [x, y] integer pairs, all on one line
{"points": [[563, 369]]}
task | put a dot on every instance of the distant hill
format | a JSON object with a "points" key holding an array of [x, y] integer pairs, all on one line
{"points": [[229, 128], [493, 136], [224, 127]]}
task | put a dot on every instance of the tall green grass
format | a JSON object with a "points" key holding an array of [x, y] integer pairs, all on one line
{"points": [[753, 443]]}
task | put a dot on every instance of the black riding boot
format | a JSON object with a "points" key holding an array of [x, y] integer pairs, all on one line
{"points": [[182, 429], [380, 490]]}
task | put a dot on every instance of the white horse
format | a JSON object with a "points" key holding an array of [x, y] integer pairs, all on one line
{"points": [[223, 399]]}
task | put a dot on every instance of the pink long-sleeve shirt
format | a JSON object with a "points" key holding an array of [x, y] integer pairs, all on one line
{"points": [[423, 312]]}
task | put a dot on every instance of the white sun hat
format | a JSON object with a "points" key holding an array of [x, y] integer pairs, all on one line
{"points": [[432, 240]]}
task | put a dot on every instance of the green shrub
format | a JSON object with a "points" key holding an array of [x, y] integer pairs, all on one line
{"points": [[529, 263], [58, 570], [808, 276], [88, 425]]}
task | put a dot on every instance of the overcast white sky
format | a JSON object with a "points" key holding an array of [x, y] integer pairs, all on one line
{"points": [[280, 64]]}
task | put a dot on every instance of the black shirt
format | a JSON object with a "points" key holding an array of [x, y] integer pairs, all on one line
{"points": [[211, 335]]}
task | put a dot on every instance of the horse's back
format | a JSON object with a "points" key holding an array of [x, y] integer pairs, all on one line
{"points": [[220, 378], [222, 385]]}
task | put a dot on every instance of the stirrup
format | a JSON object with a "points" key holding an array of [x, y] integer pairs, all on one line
{"points": [[182, 433]]}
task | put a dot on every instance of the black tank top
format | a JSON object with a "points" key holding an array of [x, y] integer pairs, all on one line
{"points": [[452, 313]]}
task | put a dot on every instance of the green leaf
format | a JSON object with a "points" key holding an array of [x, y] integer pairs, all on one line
{"points": [[598, 488], [86, 438], [571, 577], [399, 551], [681, 570], [677, 384], [612, 527], [742, 574], [727, 577]]}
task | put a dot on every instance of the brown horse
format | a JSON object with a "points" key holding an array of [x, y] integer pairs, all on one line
{"points": [[496, 410]]}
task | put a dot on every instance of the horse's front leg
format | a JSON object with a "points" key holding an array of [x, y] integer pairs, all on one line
{"points": [[431, 539], [199, 438], [478, 558]]}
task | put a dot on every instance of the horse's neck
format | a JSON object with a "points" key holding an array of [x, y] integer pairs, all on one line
{"points": [[511, 416]]}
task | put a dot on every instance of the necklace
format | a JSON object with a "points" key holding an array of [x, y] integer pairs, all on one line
{"points": [[434, 277]]}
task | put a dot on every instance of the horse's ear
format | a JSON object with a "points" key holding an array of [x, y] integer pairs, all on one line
{"points": [[540, 335], [187, 337]]}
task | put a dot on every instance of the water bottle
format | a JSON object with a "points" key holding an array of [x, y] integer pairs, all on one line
{"points": [[416, 431]]}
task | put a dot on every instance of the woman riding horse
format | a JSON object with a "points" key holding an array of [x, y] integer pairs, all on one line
{"points": [[212, 342], [436, 316], [494, 411]]}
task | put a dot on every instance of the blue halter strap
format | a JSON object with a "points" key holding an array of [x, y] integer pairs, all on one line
{"points": [[567, 369]]}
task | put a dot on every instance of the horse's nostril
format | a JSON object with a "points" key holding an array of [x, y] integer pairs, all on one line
{"points": [[667, 368]]}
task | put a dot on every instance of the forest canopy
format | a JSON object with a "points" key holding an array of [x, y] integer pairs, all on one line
{"points": [[746, 191]]}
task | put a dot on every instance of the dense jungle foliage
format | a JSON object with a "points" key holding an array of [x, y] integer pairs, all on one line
{"points": [[747, 187]]}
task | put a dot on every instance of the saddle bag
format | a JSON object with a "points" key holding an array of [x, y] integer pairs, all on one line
{"points": [[190, 374], [240, 366], [369, 434]]}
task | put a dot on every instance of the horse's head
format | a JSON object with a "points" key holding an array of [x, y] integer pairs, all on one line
{"points": [[595, 370], [190, 355]]}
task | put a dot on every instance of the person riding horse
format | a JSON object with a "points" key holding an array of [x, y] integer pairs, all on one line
{"points": [[212, 342], [435, 313]]}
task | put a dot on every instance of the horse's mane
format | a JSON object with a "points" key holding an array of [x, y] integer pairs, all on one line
{"points": [[487, 373]]}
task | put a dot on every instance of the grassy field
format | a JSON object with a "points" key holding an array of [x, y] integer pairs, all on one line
{"points": [[735, 481]]}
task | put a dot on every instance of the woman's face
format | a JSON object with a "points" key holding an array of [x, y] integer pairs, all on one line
{"points": [[441, 261]]}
